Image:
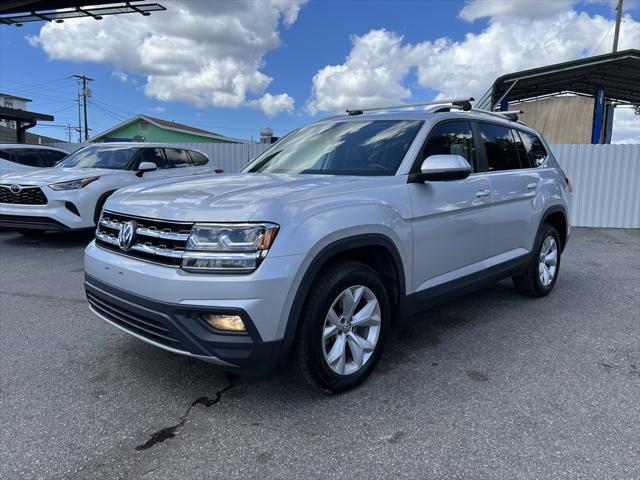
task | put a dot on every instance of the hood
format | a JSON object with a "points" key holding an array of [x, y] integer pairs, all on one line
{"points": [[225, 198], [45, 176]]}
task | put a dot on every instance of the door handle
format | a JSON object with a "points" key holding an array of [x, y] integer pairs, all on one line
{"points": [[532, 186], [483, 193]]}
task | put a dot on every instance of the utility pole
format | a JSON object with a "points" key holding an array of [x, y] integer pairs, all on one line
{"points": [[616, 35], [69, 131], [86, 92], [79, 120]]}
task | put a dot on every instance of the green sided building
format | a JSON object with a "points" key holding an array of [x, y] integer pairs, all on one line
{"points": [[143, 128]]}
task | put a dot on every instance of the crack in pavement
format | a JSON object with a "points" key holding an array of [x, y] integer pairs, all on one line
{"points": [[169, 432]]}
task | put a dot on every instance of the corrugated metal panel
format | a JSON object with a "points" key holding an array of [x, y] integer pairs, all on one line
{"points": [[606, 183], [606, 178], [231, 157]]}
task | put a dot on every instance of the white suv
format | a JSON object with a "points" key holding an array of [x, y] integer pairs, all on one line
{"points": [[21, 157], [70, 195], [330, 236]]}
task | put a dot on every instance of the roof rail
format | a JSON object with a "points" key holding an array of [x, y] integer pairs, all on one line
{"points": [[510, 115], [462, 103]]}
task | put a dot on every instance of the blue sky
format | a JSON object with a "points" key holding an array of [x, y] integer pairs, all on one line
{"points": [[300, 56]]}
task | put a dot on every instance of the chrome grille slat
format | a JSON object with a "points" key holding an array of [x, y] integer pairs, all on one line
{"points": [[157, 241], [147, 232]]}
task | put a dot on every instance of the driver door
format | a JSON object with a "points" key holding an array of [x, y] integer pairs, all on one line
{"points": [[451, 219]]}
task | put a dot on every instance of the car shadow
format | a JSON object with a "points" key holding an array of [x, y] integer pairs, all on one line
{"points": [[56, 239], [408, 341]]}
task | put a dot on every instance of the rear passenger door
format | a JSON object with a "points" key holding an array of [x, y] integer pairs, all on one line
{"points": [[178, 162], [451, 219], [153, 155], [514, 183]]}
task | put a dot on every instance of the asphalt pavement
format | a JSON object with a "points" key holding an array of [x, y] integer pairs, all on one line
{"points": [[490, 386]]}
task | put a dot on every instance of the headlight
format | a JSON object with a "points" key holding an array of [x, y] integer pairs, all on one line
{"points": [[73, 184], [228, 247]]}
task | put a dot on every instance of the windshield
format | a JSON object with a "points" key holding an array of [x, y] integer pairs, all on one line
{"points": [[114, 158], [374, 147]]}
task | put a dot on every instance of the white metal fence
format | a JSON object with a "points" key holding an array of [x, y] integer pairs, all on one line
{"points": [[606, 178], [606, 184]]}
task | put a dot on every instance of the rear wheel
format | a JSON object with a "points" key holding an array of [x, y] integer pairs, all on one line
{"points": [[342, 327], [542, 273]]}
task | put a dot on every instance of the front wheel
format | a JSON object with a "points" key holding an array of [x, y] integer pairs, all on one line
{"points": [[342, 327], [542, 273]]}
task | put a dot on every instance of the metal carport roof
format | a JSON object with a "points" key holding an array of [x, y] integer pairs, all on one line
{"points": [[618, 74]]}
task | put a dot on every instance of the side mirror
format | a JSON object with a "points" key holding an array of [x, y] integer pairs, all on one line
{"points": [[145, 167], [441, 168]]}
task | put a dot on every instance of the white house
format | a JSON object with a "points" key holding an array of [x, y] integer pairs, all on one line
{"points": [[11, 101]]}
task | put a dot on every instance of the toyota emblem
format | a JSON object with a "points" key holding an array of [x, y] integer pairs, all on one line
{"points": [[15, 188], [127, 235]]}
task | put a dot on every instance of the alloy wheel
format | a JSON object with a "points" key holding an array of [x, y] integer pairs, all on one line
{"points": [[548, 261], [351, 330]]}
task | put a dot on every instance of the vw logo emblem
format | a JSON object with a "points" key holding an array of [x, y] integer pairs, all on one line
{"points": [[127, 235], [15, 188]]}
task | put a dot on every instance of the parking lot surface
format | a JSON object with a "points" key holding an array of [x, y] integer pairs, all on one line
{"points": [[492, 385]]}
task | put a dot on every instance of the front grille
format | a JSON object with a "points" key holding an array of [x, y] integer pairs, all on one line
{"points": [[132, 321], [27, 195], [154, 240]]}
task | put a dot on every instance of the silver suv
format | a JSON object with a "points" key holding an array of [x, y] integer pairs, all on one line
{"points": [[328, 238]]}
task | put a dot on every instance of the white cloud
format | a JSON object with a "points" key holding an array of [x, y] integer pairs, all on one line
{"points": [[379, 69], [476, 9], [531, 9], [373, 73], [626, 126], [271, 105], [123, 77], [157, 109], [191, 53]]}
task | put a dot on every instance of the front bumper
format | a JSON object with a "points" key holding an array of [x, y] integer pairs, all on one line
{"points": [[57, 214], [179, 329], [164, 301]]}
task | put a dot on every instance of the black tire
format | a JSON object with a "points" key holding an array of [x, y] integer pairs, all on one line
{"points": [[99, 204], [31, 233], [308, 355], [529, 283]]}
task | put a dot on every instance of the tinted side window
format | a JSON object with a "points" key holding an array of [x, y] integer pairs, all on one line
{"points": [[522, 151], [452, 138], [30, 157], [535, 149], [151, 155], [499, 146], [52, 157], [197, 158], [5, 154], [176, 158]]}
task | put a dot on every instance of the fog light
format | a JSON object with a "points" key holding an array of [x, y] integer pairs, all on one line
{"points": [[231, 323]]}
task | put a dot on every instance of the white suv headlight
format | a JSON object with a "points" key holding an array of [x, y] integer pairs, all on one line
{"points": [[219, 247], [73, 184]]}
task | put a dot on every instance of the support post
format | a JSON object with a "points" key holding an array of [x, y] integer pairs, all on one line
{"points": [[21, 130], [504, 104], [598, 116]]}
